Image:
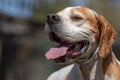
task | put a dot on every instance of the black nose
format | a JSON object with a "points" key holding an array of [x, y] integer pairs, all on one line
{"points": [[52, 18]]}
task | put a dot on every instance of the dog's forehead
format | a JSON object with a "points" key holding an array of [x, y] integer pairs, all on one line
{"points": [[65, 12], [76, 10]]}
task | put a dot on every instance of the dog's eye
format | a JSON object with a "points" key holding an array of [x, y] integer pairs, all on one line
{"points": [[76, 18]]}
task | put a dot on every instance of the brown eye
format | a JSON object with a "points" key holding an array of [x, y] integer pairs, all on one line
{"points": [[76, 18]]}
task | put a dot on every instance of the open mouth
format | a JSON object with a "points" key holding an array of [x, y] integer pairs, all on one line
{"points": [[66, 49]]}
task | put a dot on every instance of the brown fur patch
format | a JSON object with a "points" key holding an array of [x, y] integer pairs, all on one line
{"points": [[107, 36], [111, 67], [90, 18]]}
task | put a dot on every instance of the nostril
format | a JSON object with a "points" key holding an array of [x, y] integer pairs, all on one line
{"points": [[52, 18], [55, 18]]}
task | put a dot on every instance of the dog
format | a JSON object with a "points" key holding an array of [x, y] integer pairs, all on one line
{"points": [[84, 38]]}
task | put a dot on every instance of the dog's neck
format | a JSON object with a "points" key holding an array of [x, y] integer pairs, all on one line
{"points": [[90, 70], [96, 69]]}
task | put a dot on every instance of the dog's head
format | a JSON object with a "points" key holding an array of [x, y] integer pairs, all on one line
{"points": [[78, 32]]}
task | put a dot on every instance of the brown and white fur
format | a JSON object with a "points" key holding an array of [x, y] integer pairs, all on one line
{"points": [[81, 23]]}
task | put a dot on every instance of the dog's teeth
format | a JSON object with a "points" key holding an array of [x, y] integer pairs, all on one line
{"points": [[83, 50], [77, 47]]}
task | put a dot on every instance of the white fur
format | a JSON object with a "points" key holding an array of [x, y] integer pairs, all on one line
{"points": [[60, 74], [109, 77], [93, 71]]}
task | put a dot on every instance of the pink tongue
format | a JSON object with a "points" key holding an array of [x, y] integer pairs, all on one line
{"points": [[56, 52]]}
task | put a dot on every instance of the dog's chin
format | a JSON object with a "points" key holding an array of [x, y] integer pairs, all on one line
{"points": [[74, 49]]}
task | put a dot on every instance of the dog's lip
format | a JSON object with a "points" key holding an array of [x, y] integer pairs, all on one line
{"points": [[71, 57], [75, 50], [66, 48], [78, 49]]}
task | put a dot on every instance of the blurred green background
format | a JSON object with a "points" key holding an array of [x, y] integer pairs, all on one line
{"points": [[23, 42]]}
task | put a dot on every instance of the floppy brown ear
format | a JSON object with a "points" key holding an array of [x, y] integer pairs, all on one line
{"points": [[107, 36]]}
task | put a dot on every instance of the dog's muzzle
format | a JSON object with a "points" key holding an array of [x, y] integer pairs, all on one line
{"points": [[67, 49], [52, 19]]}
